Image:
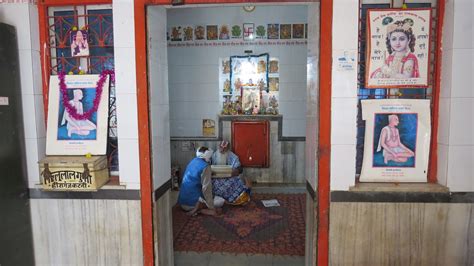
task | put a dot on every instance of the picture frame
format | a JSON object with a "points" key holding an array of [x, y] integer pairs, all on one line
{"points": [[397, 140], [398, 48], [285, 31], [212, 32], [79, 43], [188, 33], [176, 34], [69, 135], [250, 99], [208, 128], [224, 32], [273, 31], [249, 31], [200, 33], [298, 31]]}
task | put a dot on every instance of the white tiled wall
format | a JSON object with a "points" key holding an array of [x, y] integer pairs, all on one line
{"points": [[24, 17], [193, 71], [344, 96], [456, 119], [126, 93], [159, 97], [312, 96]]}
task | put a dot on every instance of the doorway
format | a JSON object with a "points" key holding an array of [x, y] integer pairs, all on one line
{"points": [[163, 122]]}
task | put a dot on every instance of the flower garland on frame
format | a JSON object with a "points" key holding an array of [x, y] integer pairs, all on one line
{"points": [[100, 85]]}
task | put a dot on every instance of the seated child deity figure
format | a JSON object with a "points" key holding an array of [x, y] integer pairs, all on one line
{"points": [[401, 62]]}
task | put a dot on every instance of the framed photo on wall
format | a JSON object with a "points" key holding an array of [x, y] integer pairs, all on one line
{"points": [[250, 99], [77, 116], [398, 48], [79, 43], [397, 140], [249, 34]]}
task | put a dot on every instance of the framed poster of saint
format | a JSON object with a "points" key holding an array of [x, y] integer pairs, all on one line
{"points": [[78, 114], [397, 140], [79, 44], [398, 48]]}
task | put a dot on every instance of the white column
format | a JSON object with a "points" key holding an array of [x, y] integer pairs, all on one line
{"points": [[344, 94], [126, 93], [456, 114]]}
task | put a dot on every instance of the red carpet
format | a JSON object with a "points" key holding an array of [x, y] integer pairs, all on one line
{"points": [[252, 228]]}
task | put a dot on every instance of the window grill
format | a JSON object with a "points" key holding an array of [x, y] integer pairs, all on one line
{"points": [[98, 21]]}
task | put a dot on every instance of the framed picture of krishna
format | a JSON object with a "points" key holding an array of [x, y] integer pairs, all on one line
{"points": [[398, 48], [78, 114]]}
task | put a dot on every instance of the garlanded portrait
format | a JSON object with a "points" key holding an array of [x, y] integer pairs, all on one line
{"points": [[78, 114]]}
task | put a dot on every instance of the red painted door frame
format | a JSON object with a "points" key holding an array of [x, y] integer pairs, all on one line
{"points": [[324, 122], [324, 141]]}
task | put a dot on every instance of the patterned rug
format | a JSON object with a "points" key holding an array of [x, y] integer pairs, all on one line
{"points": [[252, 228]]}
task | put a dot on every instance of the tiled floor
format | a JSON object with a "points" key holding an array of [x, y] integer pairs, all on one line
{"points": [[226, 259]]}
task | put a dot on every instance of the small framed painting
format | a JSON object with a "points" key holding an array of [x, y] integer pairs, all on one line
{"points": [[188, 33], [261, 32], [200, 33], [249, 33], [298, 31], [285, 31], [79, 44], [250, 99], [208, 128], [273, 31], [236, 32], [176, 34], [212, 32], [224, 32]]}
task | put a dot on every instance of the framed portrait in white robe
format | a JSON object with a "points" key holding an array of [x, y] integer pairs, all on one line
{"points": [[397, 140], [77, 120]]}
